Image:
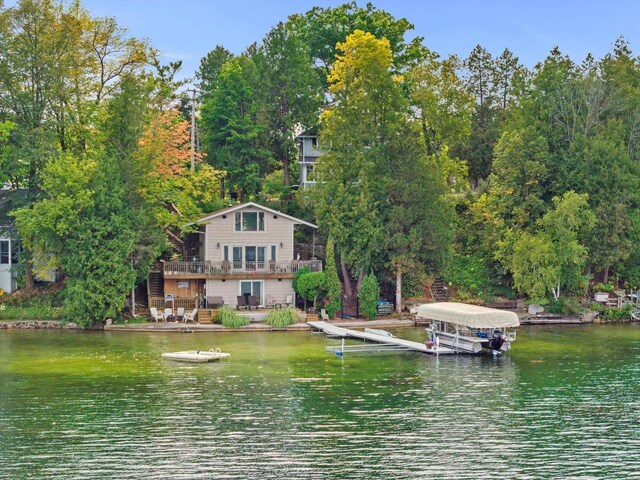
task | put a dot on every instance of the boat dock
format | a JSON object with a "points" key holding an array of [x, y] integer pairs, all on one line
{"points": [[334, 331]]}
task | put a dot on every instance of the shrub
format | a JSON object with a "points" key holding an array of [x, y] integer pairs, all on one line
{"points": [[369, 293], [611, 314], [567, 306], [229, 318], [602, 287], [470, 276], [283, 318]]}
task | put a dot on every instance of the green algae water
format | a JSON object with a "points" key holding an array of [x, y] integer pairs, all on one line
{"points": [[565, 403]]}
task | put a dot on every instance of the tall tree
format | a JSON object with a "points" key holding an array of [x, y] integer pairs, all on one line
{"points": [[290, 92], [231, 132]]}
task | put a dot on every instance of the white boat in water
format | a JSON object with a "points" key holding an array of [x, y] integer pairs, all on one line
{"points": [[196, 356], [469, 328]]}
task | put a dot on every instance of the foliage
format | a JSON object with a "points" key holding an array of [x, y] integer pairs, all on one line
{"points": [[229, 318], [283, 318], [231, 130], [312, 285], [565, 306], [333, 285], [369, 294], [470, 275], [602, 287], [296, 276], [552, 257], [612, 314], [33, 312]]}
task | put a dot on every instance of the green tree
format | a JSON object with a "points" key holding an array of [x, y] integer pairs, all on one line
{"points": [[290, 91], [311, 286], [552, 258], [333, 285], [209, 70], [231, 133], [368, 295]]}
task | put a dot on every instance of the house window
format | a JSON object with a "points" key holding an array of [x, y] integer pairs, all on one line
{"points": [[226, 253], [253, 288], [249, 222], [273, 253], [4, 252]]}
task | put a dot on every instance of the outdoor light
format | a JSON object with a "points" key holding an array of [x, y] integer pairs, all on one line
{"points": [[218, 245], [281, 244]]}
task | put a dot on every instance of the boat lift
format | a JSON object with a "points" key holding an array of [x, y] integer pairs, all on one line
{"points": [[384, 341]]}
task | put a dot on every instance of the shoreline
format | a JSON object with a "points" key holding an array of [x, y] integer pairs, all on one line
{"points": [[176, 327]]}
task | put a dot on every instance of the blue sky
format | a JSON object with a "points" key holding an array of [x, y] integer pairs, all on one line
{"points": [[188, 29]]}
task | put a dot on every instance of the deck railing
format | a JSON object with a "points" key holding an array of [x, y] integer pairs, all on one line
{"points": [[161, 303], [208, 268]]}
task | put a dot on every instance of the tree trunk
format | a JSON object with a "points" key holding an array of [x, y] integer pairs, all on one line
{"points": [[29, 280], [133, 302], [605, 276], [399, 290], [287, 170], [346, 277], [360, 279]]}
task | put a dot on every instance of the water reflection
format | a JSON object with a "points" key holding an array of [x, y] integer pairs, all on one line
{"points": [[562, 404]]}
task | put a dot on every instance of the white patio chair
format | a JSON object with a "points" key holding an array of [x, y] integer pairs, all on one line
{"points": [[155, 315], [168, 313], [272, 302], [324, 315], [179, 313], [190, 316], [288, 301]]}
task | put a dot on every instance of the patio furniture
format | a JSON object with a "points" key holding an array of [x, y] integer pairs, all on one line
{"points": [[190, 316], [214, 302], [288, 301], [253, 302], [324, 315], [179, 313], [168, 314], [155, 315], [242, 303], [272, 302]]}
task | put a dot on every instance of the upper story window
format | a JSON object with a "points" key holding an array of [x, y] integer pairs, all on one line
{"points": [[4, 252], [249, 222]]}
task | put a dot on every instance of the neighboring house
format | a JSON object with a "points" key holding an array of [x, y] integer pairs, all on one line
{"points": [[308, 156], [9, 243], [245, 250]]}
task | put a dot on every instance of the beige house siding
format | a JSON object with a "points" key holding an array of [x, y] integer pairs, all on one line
{"points": [[230, 289], [221, 231]]}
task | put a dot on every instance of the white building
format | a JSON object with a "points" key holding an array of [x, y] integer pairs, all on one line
{"points": [[308, 156]]}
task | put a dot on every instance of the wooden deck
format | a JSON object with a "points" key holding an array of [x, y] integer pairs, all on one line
{"points": [[335, 331]]}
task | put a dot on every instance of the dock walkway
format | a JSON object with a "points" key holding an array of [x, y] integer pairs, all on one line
{"points": [[336, 331]]}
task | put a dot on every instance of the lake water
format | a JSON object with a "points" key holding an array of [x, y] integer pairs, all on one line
{"points": [[565, 403]]}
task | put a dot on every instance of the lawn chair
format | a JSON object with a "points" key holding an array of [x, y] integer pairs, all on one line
{"points": [[168, 313], [242, 303], [190, 316], [155, 315], [179, 313], [324, 315], [253, 302], [272, 302], [288, 301]]}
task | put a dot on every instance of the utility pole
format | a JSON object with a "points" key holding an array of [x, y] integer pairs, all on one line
{"points": [[193, 129]]}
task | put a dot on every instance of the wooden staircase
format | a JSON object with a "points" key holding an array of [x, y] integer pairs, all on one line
{"points": [[155, 284], [205, 315]]}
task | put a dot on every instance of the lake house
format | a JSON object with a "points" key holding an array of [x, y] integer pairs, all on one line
{"points": [[245, 250], [308, 154]]}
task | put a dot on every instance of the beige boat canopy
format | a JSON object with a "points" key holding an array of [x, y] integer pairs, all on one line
{"points": [[471, 316]]}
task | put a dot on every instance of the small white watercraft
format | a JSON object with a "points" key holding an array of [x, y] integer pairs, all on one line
{"points": [[196, 356]]}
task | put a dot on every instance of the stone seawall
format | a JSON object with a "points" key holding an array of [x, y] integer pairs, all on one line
{"points": [[37, 324]]}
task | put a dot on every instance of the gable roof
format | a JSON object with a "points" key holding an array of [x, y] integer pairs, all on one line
{"points": [[240, 206]]}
